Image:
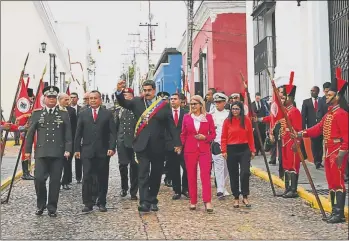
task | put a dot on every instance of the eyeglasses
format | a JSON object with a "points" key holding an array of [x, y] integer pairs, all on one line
{"points": [[235, 109], [192, 104]]}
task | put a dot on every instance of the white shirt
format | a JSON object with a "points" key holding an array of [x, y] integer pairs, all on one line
{"points": [[197, 125], [218, 119], [178, 111], [48, 109], [76, 108], [97, 109], [313, 100]]}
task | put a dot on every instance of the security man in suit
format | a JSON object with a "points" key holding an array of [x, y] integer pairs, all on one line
{"points": [[125, 126], [54, 146]]}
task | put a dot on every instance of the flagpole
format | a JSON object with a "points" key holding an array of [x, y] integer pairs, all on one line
{"points": [[3, 142], [258, 135], [290, 127]]}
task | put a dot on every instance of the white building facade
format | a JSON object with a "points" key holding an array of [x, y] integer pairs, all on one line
{"points": [[307, 37], [24, 26]]}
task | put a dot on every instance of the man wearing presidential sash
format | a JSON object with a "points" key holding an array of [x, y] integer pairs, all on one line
{"points": [[153, 117]]}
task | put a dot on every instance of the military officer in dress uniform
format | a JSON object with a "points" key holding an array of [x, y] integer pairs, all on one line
{"points": [[54, 145], [125, 126]]}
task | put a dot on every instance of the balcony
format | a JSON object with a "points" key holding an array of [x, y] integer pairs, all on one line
{"points": [[265, 54], [261, 7]]}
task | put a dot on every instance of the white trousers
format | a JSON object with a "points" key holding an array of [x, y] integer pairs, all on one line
{"points": [[220, 171]]}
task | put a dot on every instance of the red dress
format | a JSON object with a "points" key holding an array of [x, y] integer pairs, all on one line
{"points": [[334, 127]]}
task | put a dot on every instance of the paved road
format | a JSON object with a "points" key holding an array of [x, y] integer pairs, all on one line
{"points": [[9, 161], [269, 217]]}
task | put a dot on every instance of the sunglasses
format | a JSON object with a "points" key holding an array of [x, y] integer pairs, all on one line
{"points": [[235, 109]]}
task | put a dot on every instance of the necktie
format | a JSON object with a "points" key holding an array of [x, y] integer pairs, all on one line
{"points": [[315, 105], [176, 117], [258, 108], [94, 115], [50, 111]]}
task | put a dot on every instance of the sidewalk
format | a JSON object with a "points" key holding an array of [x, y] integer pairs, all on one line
{"points": [[304, 189]]}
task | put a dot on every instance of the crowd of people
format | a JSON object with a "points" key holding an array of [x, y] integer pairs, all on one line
{"points": [[154, 134]]}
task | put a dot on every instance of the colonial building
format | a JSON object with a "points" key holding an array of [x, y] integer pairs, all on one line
{"points": [[307, 37], [29, 27], [218, 48]]}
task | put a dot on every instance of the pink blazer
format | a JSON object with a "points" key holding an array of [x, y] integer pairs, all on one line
{"points": [[188, 132]]}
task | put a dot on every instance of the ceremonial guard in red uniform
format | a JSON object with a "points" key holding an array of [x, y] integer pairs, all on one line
{"points": [[334, 128], [290, 157]]}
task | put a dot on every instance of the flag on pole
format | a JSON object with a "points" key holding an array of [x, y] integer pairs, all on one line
{"points": [[28, 79], [39, 100], [23, 102], [68, 90], [99, 46]]}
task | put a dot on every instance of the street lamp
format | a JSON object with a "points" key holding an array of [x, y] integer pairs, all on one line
{"points": [[299, 2], [43, 47]]}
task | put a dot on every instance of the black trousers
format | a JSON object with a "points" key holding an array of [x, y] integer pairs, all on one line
{"points": [[262, 128], [317, 149], [67, 171], [95, 169], [48, 167], [279, 148], [175, 162], [239, 156], [273, 153], [123, 168], [150, 170], [78, 169]]}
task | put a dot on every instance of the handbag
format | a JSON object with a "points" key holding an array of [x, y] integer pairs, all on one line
{"points": [[216, 148]]}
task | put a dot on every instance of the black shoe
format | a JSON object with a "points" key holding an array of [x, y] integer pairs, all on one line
{"points": [[220, 195], [102, 208], [25, 169], [144, 208], [272, 162], [154, 207], [52, 214], [27, 176], [292, 193], [87, 209], [168, 183], [123, 193], [134, 198], [176, 196], [39, 212], [186, 194], [78, 181], [65, 187], [318, 165]]}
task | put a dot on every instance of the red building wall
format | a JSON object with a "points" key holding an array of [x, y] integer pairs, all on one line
{"points": [[230, 52]]}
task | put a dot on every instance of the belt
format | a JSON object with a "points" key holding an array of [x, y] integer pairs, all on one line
{"points": [[333, 141]]}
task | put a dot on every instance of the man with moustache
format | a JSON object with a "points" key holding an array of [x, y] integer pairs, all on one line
{"points": [[96, 131], [63, 100], [54, 145], [153, 117]]}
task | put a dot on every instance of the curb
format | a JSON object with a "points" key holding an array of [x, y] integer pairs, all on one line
{"points": [[10, 143], [307, 196], [8, 180]]}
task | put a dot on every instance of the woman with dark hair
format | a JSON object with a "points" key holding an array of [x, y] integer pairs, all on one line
{"points": [[238, 149]]}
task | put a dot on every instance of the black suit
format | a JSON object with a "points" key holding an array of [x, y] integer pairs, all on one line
{"points": [[78, 162], [310, 118], [67, 174], [261, 111], [176, 161], [322, 108], [149, 146], [97, 138]]}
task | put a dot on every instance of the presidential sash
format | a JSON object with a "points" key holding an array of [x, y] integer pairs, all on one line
{"points": [[146, 117]]}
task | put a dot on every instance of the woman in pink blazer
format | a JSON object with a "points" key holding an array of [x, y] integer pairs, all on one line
{"points": [[197, 133]]}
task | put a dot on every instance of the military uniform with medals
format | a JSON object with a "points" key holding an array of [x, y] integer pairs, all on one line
{"points": [[54, 138]]}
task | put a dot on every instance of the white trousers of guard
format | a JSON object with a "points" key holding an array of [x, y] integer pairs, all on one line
{"points": [[221, 172]]}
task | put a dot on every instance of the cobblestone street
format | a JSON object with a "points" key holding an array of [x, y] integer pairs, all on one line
{"points": [[269, 217]]}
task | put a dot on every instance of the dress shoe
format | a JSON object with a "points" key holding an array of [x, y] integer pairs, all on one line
{"points": [[168, 183], [87, 209], [102, 208], [65, 187], [220, 195], [186, 194], [123, 193], [154, 207], [176, 196], [318, 166], [143, 208], [78, 181], [272, 162], [52, 214], [134, 198], [39, 212]]}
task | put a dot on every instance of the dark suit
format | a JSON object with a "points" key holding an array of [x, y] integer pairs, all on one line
{"points": [[176, 161], [309, 118], [322, 108], [208, 106], [262, 111], [67, 174], [97, 138], [125, 126], [78, 162], [53, 139], [149, 146]]}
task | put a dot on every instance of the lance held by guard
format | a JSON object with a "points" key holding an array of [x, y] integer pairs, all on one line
{"points": [[334, 128], [253, 115]]}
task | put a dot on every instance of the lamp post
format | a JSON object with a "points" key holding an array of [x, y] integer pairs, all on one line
{"points": [[52, 68], [43, 47]]}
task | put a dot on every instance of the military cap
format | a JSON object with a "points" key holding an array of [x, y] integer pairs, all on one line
{"points": [[220, 97], [128, 90], [50, 91], [163, 94], [338, 85], [234, 95]]}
